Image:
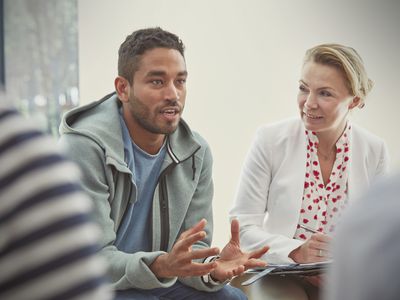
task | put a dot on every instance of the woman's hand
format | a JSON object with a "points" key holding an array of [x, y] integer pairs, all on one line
{"points": [[315, 249]]}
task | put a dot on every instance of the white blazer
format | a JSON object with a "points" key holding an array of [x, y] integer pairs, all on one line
{"points": [[268, 198]]}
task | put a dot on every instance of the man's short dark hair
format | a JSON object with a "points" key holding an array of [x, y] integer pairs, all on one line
{"points": [[138, 43]]}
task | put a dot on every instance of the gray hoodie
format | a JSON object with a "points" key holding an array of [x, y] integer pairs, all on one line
{"points": [[91, 135]]}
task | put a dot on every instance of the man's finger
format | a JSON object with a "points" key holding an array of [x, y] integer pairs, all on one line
{"points": [[186, 242], [254, 263], [203, 253], [199, 269], [258, 253], [235, 231], [238, 271], [196, 228]]}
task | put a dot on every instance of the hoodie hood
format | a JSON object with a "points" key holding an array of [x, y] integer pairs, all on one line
{"points": [[99, 121]]}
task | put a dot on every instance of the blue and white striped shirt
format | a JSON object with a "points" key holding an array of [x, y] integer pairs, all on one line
{"points": [[48, 243]]}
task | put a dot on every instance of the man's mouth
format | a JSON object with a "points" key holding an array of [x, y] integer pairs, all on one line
{"points": [[170, 111], [311, 116]]}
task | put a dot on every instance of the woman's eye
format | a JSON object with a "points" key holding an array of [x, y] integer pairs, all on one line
{"points": [[325, 94], [302, 88]]}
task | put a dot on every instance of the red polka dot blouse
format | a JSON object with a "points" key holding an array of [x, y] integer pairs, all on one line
{"points": [[322, 204]]}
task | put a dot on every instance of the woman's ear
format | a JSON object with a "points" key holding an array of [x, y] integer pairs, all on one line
{"points": [[122, 88], [355, 102]]}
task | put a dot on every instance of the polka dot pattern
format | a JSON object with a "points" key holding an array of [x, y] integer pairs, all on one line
{"points": [[322, 204]]}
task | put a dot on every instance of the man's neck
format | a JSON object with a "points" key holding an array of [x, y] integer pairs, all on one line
{"points": [[149, 146], [145, 140]]}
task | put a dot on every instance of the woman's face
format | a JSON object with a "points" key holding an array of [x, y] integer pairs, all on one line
{"points": [[324, 99]]}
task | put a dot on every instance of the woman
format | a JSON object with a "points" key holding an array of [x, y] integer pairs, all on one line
{"points": [[300, 174]]}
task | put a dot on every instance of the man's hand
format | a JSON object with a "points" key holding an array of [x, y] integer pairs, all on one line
{"points": [[178, 263], [233, 261], [315, 249]]}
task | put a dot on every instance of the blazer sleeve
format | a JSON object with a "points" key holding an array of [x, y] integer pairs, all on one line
{"points": [[253, 200], [384, 161]]}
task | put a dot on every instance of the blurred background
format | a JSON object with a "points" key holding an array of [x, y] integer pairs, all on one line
{"points": [[41, 58], [243, 56]]}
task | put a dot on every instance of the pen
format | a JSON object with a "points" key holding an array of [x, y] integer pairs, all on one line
{"points": [[258, 276], [309, 229]]}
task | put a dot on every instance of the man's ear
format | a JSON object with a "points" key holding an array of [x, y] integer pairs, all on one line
{"points": [[122, 88], [355, 102]]}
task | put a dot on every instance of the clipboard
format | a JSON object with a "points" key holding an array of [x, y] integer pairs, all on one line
{"points": [[308, 269]]}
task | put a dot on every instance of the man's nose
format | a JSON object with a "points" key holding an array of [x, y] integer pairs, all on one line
{"points": [[171, 92]]}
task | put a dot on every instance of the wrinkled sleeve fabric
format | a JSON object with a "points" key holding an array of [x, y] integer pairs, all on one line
{"points": [[127, 270], [201, 207], [253, 199], [384, 161]]}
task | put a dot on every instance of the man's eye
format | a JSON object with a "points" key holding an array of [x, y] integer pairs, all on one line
{"points": [[157, 82], [181, 81]]}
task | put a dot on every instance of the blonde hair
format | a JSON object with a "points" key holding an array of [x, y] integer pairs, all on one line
{"points": [[349, 62]]}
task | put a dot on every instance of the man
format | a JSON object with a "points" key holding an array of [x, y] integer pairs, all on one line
{"points": [[366, 250], [48, 244], [150, 178]]}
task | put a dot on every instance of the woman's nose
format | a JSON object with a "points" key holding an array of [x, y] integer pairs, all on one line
{"points": [[311, 101]]}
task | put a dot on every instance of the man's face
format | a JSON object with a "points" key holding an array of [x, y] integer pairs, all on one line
{"points": [[157, 95]]}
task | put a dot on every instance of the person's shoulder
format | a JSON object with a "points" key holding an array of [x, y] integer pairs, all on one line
{"points": [[16, 129], [361, 134], [200, 139], [281, 130], [25, 146], [288, 124], [87, 116], [184, 131], [386, 189], [96, 124], [376, 213]]}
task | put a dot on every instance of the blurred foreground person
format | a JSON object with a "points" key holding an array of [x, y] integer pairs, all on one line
{"points": [[48, 243], [366, 250]]}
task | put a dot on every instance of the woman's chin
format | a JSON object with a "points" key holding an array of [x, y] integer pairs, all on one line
{"points": [[312, 126]]}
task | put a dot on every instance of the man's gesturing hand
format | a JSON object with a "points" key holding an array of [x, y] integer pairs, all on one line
{"points": [[233, 261], [178, 263]]}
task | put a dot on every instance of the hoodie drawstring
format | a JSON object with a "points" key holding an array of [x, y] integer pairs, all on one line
{"points": [[193, 166]]}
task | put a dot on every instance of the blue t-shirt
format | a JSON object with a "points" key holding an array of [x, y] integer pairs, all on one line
{"points": [[134, 233]]}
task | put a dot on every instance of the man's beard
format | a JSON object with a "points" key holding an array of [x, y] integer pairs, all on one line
{"points": [[143, 116]]}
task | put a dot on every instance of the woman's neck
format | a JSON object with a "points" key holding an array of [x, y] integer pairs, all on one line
{"points": [[327, 139]]}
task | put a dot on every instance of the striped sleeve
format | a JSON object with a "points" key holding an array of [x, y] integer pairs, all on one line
{"points": [[48, 243]]}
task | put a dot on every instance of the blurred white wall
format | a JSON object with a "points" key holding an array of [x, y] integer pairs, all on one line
{"points": [[244, 60]]}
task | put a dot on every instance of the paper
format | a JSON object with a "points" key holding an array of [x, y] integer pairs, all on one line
{"points": [[288, 269]]}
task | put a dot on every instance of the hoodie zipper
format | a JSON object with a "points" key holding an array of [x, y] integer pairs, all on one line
{"points": [[164, 213], [163, 197]]}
